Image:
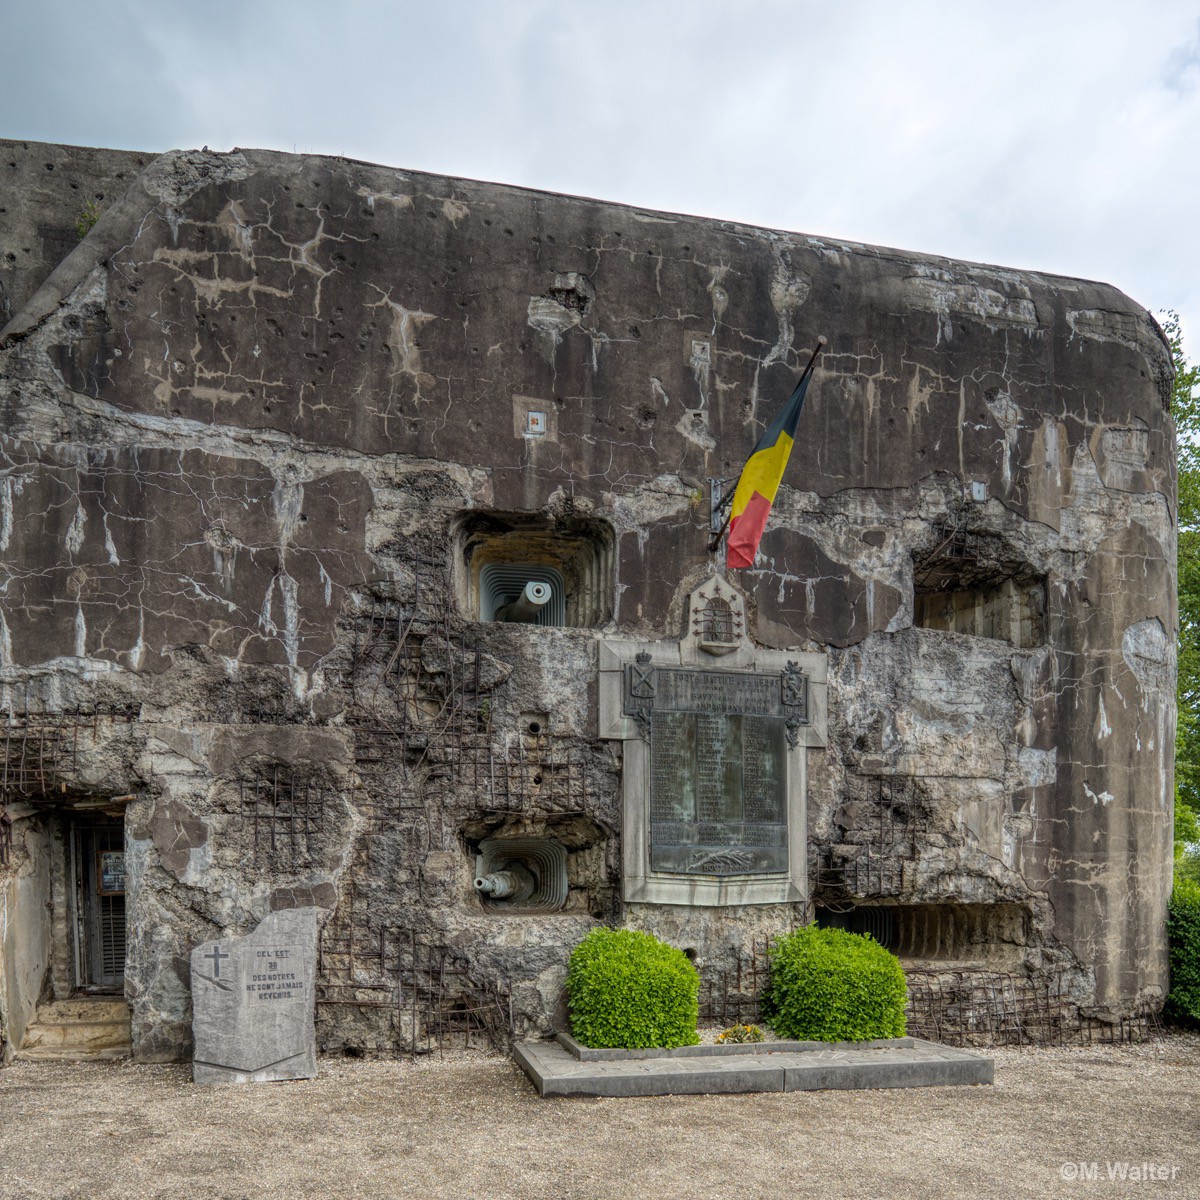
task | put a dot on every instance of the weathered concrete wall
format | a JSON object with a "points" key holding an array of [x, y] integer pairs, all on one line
{"points": [[24, 929], [245, 422], [45, 190]]}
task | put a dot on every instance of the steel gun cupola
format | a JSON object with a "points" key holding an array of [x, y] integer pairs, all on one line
{"points": [[523, 874]]}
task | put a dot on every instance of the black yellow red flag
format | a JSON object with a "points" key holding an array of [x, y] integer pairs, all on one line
{"points": [[759, 480]]}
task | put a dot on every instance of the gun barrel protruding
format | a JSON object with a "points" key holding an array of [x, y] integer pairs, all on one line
{"points": [[526, 607], [514, 882], [497, 884]]}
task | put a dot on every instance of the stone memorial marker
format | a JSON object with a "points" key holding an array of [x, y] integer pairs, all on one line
{"points": [[252, 1003]]}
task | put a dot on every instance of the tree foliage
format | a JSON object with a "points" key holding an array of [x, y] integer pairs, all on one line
{"points": [[1187, 843], [1185, 408], [1183, 934]]}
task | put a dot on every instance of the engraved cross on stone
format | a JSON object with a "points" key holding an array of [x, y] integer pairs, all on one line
{"points": [[216, 955]]}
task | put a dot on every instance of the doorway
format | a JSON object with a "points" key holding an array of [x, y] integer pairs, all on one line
{"points": [[97, 866]]}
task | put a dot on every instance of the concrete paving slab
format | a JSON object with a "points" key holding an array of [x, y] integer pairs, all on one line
{"points": [[605, 1054], [557, 1069]]}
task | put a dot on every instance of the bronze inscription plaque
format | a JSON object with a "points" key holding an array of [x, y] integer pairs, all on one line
{"points": [[718, 770]]}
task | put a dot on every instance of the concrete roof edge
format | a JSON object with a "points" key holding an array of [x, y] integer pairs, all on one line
{"points": [[115, 228], [264, 155], [1048, 278]]}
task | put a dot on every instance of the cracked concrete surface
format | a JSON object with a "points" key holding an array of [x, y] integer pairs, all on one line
{"points": [[243, 420]]}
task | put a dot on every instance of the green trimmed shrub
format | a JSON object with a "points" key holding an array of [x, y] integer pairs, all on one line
{"points": [[828, 985], [1183, 940], [629, 990]]}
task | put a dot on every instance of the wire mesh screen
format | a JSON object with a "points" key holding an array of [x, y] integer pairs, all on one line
{"points": [[280, 812], [960, 559], [978, 1007], [959, 1007], [423, 692], [877, 846], [412, 994], [32, 745], [733, 994], [40, 748]]}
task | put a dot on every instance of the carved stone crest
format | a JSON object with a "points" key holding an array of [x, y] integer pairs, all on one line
{"points": [[640, 686], [794, 687], [716, 617]]}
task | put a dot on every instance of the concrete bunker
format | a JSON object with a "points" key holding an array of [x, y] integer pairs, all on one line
{"points": [[279, 549]]}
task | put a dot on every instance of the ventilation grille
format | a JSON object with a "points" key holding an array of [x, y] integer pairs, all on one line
{"points": [[960, 933], [112, 939], [502, 583], [109, 911], [878, 922]]}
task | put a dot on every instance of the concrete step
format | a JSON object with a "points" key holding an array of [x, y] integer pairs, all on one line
{"points": [[92, 1035], [86, 1010], [58, 1054], [90, 1027]]}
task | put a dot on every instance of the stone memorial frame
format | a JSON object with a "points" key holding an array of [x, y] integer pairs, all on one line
{"points": [[783, 693]]}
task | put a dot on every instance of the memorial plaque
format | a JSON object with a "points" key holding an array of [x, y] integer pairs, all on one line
{"points": [[718, 770], [724, 693], [718, 692], [717, 735], [252, 1002]]}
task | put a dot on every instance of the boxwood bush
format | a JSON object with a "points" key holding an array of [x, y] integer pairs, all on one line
{"points": [[1183, 938], [629, 990], [832, 986]]}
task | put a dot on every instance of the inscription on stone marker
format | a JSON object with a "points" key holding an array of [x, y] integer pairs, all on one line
{"points": [[271, 980], [252, 1002]]}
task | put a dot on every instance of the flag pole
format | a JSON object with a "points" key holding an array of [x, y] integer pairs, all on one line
{"points": [[727, 501]]}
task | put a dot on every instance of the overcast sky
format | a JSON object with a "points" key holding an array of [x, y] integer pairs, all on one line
{"points": [[1059, 136]]}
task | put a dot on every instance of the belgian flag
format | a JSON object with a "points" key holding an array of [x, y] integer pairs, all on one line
{"points": [[760, 477]]}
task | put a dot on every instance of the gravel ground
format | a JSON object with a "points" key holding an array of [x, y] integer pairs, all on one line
{"points": [[471, 1126]]}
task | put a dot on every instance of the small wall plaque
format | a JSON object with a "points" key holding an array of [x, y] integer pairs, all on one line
{"points": [[110, 872]]}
